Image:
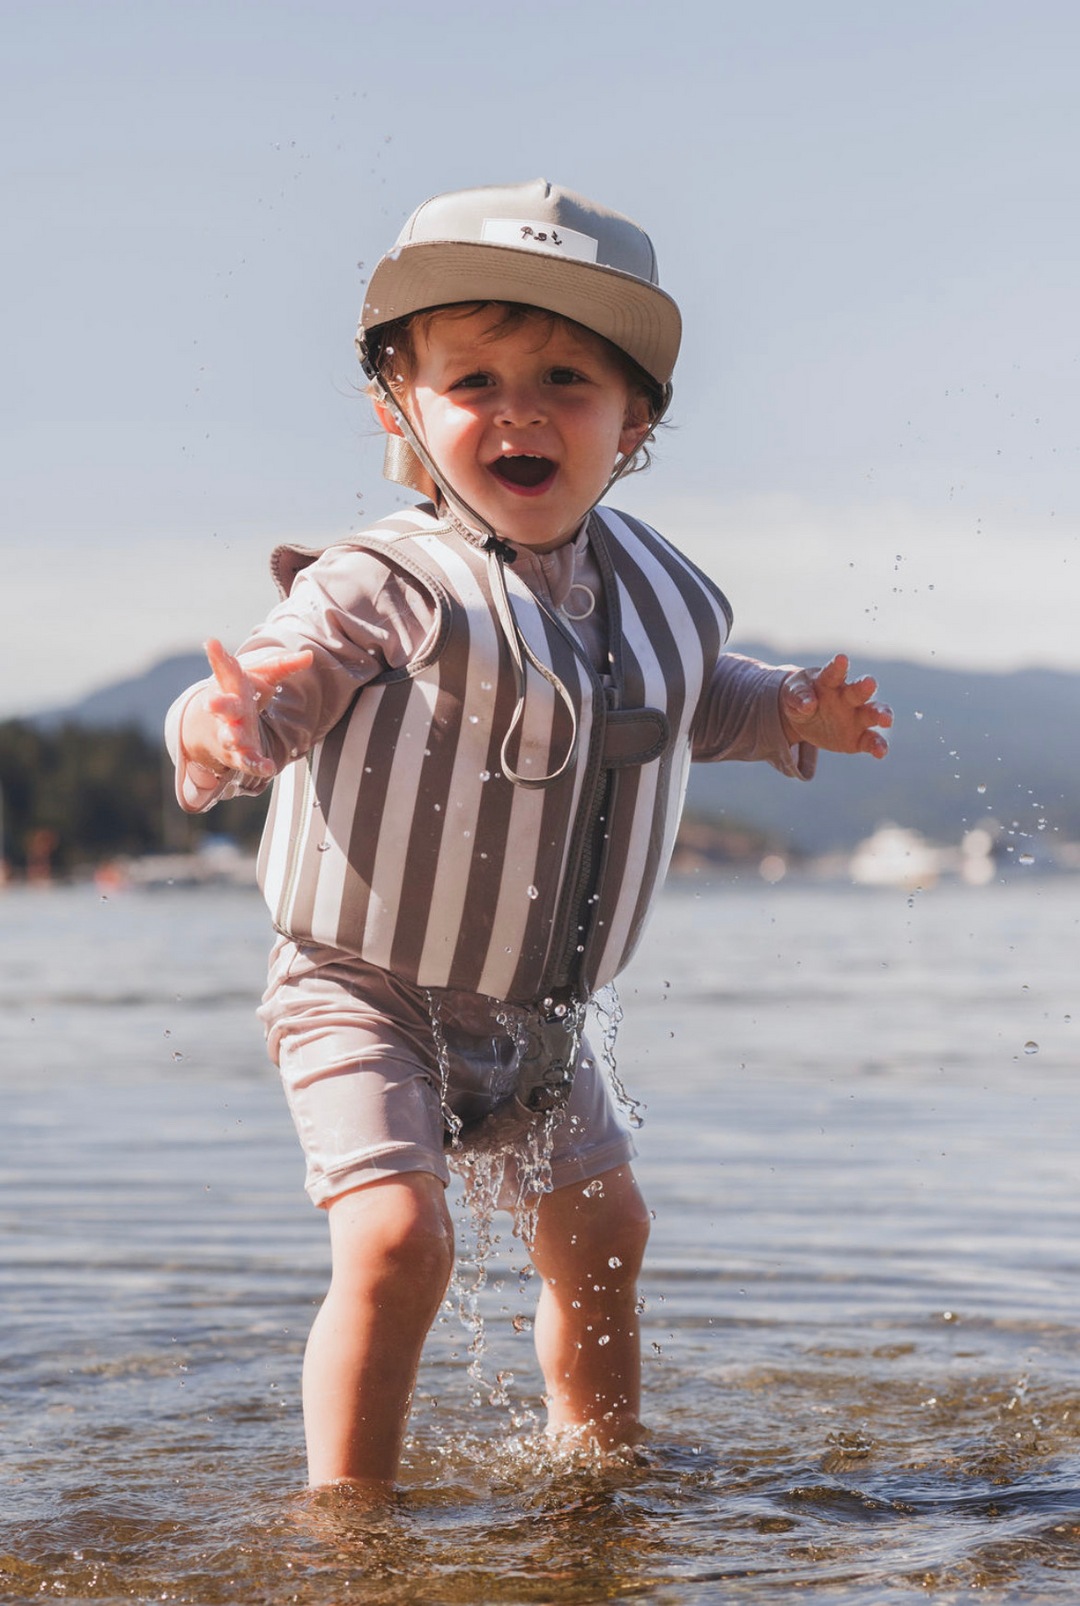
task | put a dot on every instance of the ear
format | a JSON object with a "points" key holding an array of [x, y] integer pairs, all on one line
{"points": [[385, 417], [636, 424]]}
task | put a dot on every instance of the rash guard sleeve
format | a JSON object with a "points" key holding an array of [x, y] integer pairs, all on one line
{"points": [[358, 617], [739, 718]]}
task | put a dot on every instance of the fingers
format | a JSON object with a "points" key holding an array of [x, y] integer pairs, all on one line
{"points": [[235, 709], [227, 671], [834, 673]]}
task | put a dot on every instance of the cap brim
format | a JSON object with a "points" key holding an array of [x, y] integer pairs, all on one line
{"points": [[639, 318]]}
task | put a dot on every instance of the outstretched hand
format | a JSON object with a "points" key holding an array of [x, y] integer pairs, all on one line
{"points": [[225, 728], [823, 707]]}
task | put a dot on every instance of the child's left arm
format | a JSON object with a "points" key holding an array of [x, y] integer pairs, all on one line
{"points": [[823, 707]]}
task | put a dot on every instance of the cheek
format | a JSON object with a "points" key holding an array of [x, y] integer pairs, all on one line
{"points": [[446, 427]]}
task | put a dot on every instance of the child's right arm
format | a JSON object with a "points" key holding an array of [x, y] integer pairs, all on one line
{"points": [[347, 618], [219, 726]]}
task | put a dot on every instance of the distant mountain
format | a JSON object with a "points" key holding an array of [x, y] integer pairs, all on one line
{"points": [[141, 700], [955, 731]]}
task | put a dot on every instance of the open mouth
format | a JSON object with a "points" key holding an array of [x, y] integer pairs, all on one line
{"points": [[524, 471]]}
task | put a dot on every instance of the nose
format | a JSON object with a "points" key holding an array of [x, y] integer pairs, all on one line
{"points": [[521, 405]]}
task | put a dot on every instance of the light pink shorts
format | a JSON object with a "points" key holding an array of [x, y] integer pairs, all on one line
{"points": [[356, 1051]]}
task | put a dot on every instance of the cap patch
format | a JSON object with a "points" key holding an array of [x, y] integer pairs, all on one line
{"points": [[535, 236]]}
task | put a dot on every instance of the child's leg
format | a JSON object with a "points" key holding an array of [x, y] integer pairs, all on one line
{"points": [[393, 1251], [589, 1245]]}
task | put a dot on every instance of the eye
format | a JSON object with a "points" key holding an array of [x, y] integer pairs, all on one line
{"points": [[566, 376], [475, 381]]}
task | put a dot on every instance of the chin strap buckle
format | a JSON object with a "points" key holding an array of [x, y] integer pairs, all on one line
{"points": [[495, 543]]}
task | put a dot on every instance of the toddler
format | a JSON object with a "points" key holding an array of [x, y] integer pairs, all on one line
{"points": [[480, 714]]}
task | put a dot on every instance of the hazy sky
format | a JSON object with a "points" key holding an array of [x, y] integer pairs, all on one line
{"points": [[867, 211]]}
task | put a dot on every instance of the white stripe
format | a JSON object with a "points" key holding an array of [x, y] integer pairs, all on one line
{"points": [[680, 619], [330, 828], [277, 846], [459, 841], [393, 848]]}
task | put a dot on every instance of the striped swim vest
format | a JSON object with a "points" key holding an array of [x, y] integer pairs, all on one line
{"points": [[399, 837]]}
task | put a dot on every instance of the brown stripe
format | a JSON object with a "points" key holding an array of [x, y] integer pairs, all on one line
{"points": [[364, 838], [489, 849], [430, 806], [555, 819], [685, 574], [710, 636], [620, 826], [306, 832]]}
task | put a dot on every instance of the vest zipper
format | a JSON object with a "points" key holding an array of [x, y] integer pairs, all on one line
{"points": [[582, 905]]}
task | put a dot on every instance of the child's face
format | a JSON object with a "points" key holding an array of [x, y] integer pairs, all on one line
{"points": [[526, 425]]}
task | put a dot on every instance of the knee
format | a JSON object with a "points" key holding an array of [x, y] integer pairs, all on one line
{"points": [[594, 1242], [396, 1235]]}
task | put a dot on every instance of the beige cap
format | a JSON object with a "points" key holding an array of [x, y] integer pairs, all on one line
{"points": [[534, 243]]}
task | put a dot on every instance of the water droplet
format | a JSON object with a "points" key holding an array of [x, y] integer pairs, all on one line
{"points": [[474, 719], [532, 892], [918, 714], [167, 1033], [591, 1189], [485, 685], [605, 1338], [1027, 858], [522, 1324], [614, 1262], [177, 1054], [322, 847], [485, 775], [981, 787], [1031, 1047]]}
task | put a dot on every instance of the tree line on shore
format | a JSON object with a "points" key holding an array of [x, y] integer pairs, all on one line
{"points": [[75, 795]]}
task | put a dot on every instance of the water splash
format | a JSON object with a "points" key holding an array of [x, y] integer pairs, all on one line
{"points": [[609, 1016], [504, 1160]]}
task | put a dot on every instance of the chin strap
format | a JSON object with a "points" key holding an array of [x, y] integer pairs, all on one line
{"points": [[519, 652]]}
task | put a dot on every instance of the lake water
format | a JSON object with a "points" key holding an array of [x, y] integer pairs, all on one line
{"points": [[862, 1328]]}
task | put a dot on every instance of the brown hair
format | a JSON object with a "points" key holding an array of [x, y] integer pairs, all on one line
{"points": [[394, 351]]}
